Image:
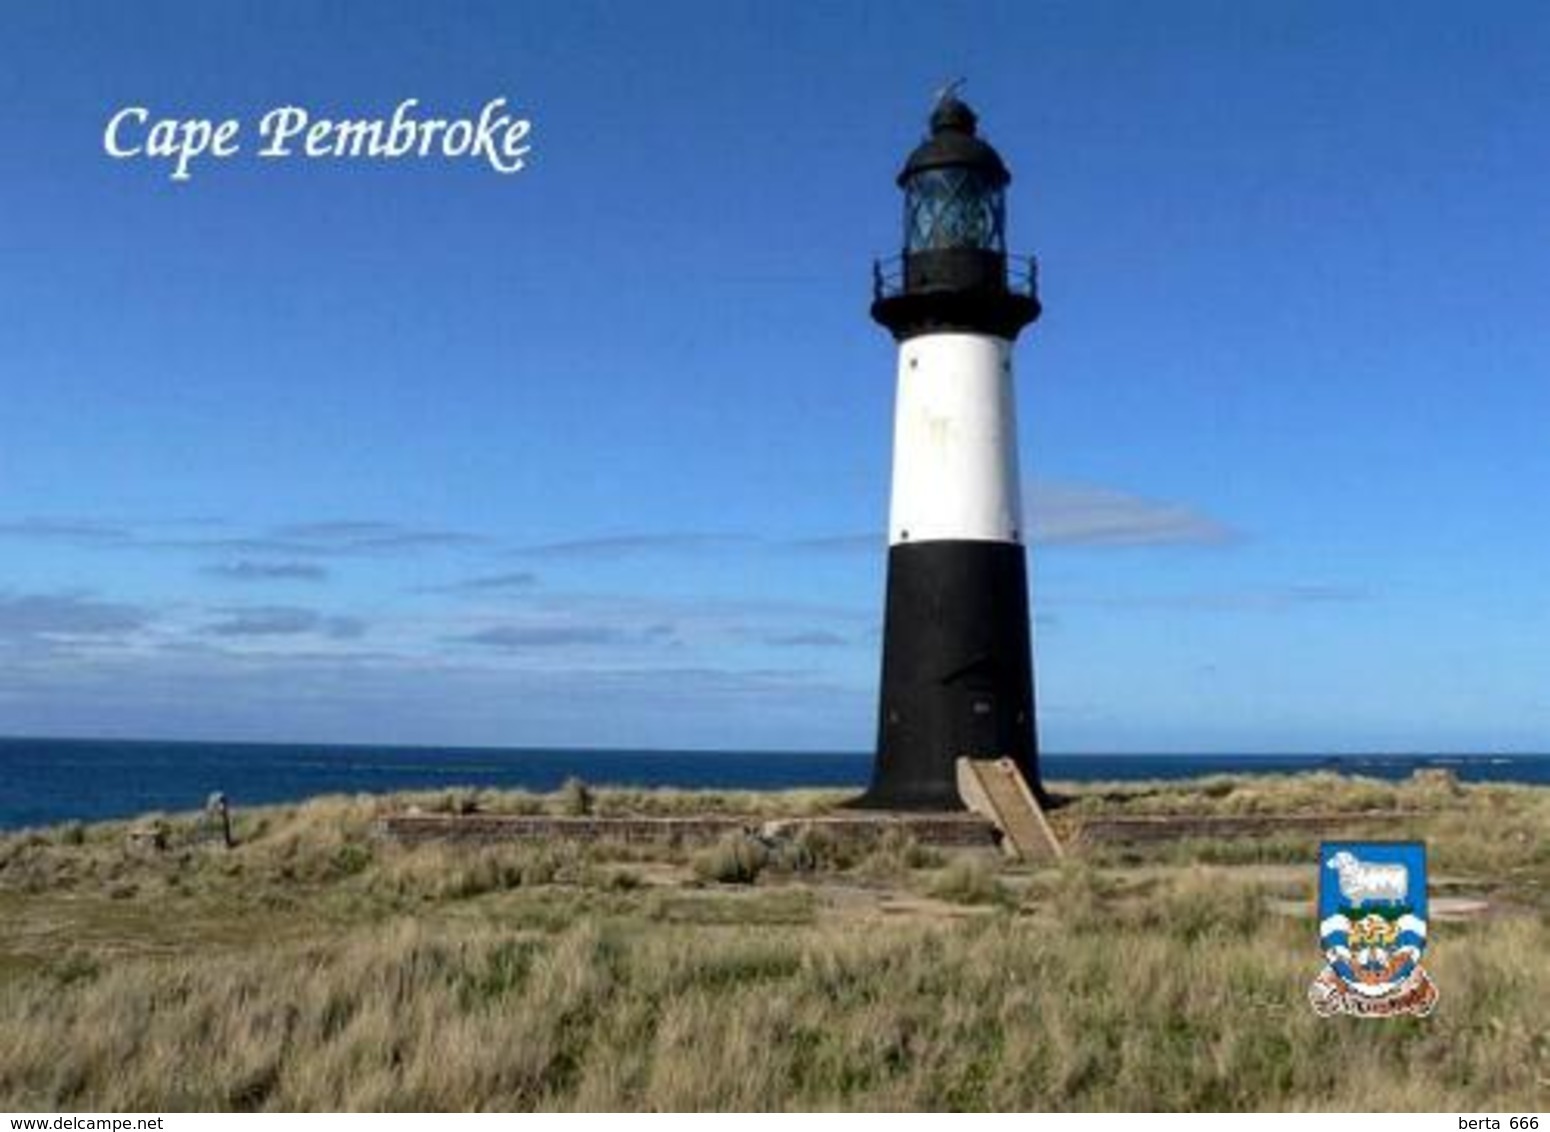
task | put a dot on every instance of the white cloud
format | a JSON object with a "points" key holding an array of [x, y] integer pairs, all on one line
{"points": [[1066, 513]]}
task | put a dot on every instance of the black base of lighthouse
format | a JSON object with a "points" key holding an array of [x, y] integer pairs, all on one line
{"points": [[957, 676]]}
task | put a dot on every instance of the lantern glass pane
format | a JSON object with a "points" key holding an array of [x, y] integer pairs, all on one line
{"points": [[953, 208]]}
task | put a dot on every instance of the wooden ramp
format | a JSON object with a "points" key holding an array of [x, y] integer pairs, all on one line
{"points": [[996, 789]]}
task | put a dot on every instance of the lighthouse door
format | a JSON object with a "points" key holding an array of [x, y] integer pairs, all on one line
{"points": [[981, 731]]}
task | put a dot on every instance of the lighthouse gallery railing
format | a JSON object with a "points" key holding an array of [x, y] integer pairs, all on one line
{"points": [[1022, 276]]}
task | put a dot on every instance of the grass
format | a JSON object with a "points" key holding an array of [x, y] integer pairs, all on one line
{"points": [[735, 859], [317, 967], [970, 880]]}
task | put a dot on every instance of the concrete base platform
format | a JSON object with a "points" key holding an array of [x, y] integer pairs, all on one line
{"points": [[962, 830], [1171, 827]]}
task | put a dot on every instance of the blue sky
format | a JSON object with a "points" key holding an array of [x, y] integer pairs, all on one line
{"points": [[597, 454]]}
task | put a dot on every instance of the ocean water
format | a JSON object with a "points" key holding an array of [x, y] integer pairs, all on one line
{"points": [[44, 781]]}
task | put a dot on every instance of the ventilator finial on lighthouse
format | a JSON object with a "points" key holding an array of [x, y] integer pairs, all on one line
{"points": [[957, 674]]}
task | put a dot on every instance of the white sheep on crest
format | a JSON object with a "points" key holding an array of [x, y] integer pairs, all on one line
{"points": [[1366, 880]]}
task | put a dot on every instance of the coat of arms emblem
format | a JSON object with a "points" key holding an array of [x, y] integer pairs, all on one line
{"points": [[1372, 926]]}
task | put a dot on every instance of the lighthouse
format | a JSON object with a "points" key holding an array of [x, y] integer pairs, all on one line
{"points": [[957, 671]]}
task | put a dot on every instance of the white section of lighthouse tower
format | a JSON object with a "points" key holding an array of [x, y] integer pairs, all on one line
{"points": [[955, 467]]}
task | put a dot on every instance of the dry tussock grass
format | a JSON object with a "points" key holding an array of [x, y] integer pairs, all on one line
{"points": [[315, 967]]}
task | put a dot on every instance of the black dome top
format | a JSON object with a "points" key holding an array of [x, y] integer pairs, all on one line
{"points": [[952, 113], [954, 141]]}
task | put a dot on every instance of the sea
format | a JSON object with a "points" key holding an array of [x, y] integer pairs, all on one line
{"points": [[47, 781]]}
